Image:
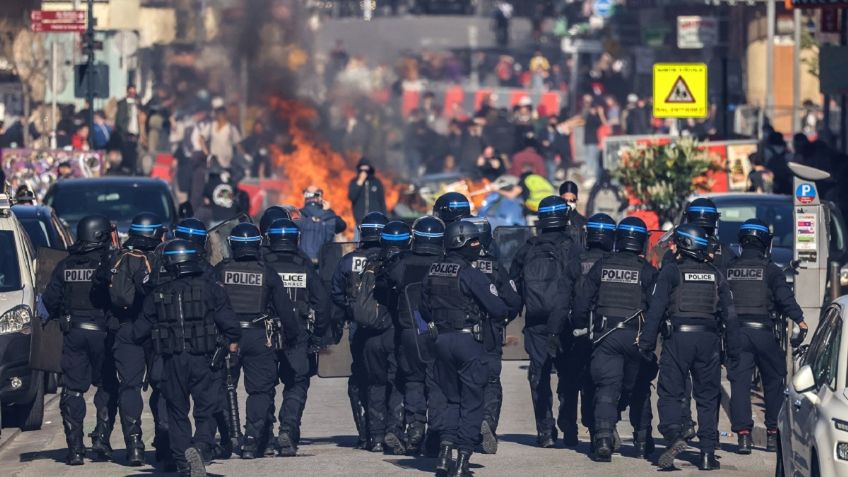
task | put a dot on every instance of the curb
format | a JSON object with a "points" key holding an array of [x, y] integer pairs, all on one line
{"points": [[758, 433]]}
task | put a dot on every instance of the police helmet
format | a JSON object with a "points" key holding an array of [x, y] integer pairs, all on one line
{"points": [[755, 232], [553, 212], [460, 233], [428, 234], [600, 232], [146, 225], [485, 228], [692, 241], [703, 213], [283, 235], [245, 240], [182, 257], [631, 235], [451, 206], [371, 226], [270, 215], [193, 230], [93, 231], [395, 235]]}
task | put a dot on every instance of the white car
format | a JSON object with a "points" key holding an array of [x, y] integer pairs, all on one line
{"points": [[813, 422], [21, 388]]}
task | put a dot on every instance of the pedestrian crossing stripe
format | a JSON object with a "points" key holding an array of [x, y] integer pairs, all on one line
{"points": [[680, 93]]}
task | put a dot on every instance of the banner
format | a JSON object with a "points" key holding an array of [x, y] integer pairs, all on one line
{"points": [[37, 168]]}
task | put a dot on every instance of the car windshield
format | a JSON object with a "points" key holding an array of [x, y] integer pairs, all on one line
{"points": [[777, 214], [10, 271], [118, 202], [38, 233]]}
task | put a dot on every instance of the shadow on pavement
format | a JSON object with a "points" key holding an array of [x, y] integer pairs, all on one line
{"points": [[424, 464], [339, 441], [522, 439]]}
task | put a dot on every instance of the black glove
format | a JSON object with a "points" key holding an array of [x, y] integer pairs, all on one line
{"points": [[647, 353], [554, 345], [798, 339]]}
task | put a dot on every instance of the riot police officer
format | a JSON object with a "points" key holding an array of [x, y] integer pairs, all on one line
{"points": [[538, 271], [134, 266], [193, 230], [452, 206], [761, 295], [619, 285], [311, 302], [186, 319], [456, 298], [350, 267], [253, 287], [489, 263], [697, 299], [78, 296], [427, 247], [704, 213], [577, 349], [271, 215]]}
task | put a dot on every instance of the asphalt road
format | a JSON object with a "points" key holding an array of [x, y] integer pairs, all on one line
{"points": [[328, 436]]}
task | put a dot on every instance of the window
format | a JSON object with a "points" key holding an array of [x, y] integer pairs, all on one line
{"points": [[823, 356], [778, 214], [118, 202], [38, 233], [10, 271]]}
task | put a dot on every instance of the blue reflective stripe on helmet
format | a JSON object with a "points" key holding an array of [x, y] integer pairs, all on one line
{"points": [[145, 227], [757, 227], [190, 231], [284, 231], [395, 237], [702, 209], [458, 204], [246, 239], [698, 240], [428, 234], [372, 226], [600, 225], [178, 252], [552, 208], [633, 228]]}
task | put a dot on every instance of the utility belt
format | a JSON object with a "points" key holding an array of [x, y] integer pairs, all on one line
{"points": [[476, 331], [669, 327], [259, 325], [773, 324], [86, 325], [608, 323]]}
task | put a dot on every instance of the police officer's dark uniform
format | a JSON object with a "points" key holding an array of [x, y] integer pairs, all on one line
{"points": [[311, 304], [456, 298], [78, 296], [696, 298], [427, 248], [185, 319], [349, 267], [145, 233], [761, 294], [490, 264], [576, 346], [618, 286], [253, 288], [542, 328]]}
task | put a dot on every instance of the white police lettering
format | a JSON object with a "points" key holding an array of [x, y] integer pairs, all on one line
{"points": [[293, 280], [243, 278], [699, 277], [614, 275], [493, 289], [358, 264], [754, 274], [586, 266], [444, 269], [485, 266], [79, 274]]}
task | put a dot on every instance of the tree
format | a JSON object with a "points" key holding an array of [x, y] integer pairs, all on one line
{"points": [[662, 176]]}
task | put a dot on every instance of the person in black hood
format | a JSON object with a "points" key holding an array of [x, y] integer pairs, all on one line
{"points": [[365, 191], [318, 223]]}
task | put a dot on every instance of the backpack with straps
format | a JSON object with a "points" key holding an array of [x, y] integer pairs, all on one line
{"points": [[543, 269], [365, 309], [122, 286]]}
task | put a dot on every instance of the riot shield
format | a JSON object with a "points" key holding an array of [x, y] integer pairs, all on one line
{"points": [[217, 247], [45, 349], [424, 343], [329, 257], [334, 361], [508, 239], [46, 260]]}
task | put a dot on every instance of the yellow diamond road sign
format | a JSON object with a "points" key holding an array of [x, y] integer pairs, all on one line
{"points": [[680, 90]]}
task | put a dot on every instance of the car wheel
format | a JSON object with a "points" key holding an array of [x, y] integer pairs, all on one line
{"points": [[778, 467], [32, 416]]}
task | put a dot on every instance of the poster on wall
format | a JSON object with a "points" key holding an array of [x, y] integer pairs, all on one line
{"points": [[738, 166]]}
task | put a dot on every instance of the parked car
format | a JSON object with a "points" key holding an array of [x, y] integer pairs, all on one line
{"points": [[21, 388], [813, 422], [118, 198], [43, 226]]}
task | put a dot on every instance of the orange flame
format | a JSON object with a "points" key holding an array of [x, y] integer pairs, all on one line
{"points": [[313, 162]]}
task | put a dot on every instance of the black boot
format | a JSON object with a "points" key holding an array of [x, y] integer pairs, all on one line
{"points": [[286, 445], [248, 448], [771, 440], [135, 450], [546, 441], [444, 459], [643, 443], [603, 449], [666, 461], [708, 461], [746, 443], [75, 456], [194, 462], [616, 440], [689, 432], [414, 438], [569, 436], [377, 445], [100, 441], [461, 468], [394, 443], [431, 443], [490, 440], [73, 428]]}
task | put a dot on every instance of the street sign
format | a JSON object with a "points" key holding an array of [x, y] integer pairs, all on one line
{"points": [[602, 8], [695, 32], [57, 21], [680, 90]]}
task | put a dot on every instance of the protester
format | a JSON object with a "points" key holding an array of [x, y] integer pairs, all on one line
{"points": [[365, 191], [128, 125]]}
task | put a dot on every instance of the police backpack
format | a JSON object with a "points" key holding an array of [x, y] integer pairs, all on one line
{"points": [[122, 286], [365, 310], [544, 267]]}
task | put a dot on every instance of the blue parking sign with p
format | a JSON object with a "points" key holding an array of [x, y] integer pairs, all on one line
{"points": [[805, 193]]}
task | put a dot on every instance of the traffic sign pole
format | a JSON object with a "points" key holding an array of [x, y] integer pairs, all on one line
{"points": [[89, 76]]}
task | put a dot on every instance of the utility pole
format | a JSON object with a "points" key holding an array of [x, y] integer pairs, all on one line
{"points": [[89, 70], [796, 72], [770, 18]]}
